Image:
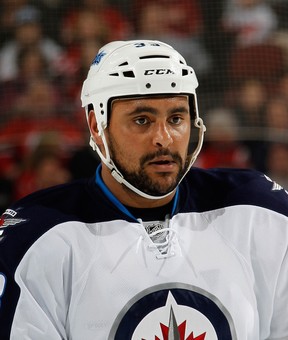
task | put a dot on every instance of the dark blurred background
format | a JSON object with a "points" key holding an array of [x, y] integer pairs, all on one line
{"points": [[238, 48]]}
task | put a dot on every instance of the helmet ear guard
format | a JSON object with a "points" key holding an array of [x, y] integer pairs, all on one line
{"points": [[92, 142], [137, 68]]}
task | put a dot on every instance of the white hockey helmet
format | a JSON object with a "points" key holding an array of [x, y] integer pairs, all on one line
{"points": [[124, 69]]}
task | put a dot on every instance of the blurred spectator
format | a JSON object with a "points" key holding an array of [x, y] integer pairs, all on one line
{"points": [[85, 32], [281, 9], [8, 9], [217, 44], [222, 147], [83, 29], [249, 21], [277, 114], [95, 19], [277, 163], [73, 80], [38, 100], [264, 62], [176, 18], [52, 11], [27, 32], [282, 88], [249, 103], [43, 167], [36, 111], [276, 120], [31, 65], [86, 26], [51, 3], [177, 23]]}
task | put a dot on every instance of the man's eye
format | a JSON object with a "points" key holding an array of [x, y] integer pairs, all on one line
{"points": [[176, 120], [141, 121]]}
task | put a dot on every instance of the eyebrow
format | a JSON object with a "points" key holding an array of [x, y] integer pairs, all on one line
{"points": [[152, 110]]}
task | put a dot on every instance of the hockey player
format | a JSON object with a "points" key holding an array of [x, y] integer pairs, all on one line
{"points": [[150, 248]]}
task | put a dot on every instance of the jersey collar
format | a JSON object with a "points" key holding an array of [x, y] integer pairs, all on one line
{"points": [[117, 203]]}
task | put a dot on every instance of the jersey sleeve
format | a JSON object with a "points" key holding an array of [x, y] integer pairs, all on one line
{"points": [[32, 280], [279, 323], [42, 276]]}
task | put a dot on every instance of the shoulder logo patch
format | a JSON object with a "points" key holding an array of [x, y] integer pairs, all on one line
{"points": [[8, 220], [275, 186]]}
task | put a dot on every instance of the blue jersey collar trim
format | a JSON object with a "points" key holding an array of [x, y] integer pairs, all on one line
{"points": [[117, 203]]}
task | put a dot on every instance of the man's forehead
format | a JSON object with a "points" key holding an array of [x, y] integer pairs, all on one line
{"points": [[143, 99]]}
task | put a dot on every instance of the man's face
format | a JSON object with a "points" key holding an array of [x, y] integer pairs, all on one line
{"points": [[148, 140]]}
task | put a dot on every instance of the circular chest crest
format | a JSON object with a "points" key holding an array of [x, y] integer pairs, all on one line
{"points": [[173, 312]]}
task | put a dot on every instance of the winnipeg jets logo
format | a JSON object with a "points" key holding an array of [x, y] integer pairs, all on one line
{"points": [[176, 324], [173, 311], [175, 332]]}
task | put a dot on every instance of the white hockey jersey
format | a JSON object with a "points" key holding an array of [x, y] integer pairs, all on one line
{"points": [[76, 264]]}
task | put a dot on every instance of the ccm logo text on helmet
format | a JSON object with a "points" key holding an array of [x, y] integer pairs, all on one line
{"points": [[158, 71]]}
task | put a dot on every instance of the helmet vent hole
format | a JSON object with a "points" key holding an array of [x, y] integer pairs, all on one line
{"points": [[184, 72], [114, 74], [173, 84], [154, 56], [102, 112], [129, 74], [124, 64], [148, 85]]}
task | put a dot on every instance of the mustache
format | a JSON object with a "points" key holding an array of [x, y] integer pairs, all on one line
{"points": [[163, 152]]}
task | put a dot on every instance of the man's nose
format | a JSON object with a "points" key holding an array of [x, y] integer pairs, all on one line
{"points": [[162, 136]]}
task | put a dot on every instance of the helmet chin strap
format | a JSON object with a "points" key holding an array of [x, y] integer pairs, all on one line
{"points": [[120, 178]]}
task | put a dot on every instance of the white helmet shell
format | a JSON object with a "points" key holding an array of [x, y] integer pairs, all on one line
{"points": [[124, 69], [137, 67]]}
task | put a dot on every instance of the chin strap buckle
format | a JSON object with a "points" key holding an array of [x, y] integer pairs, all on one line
{"points": [[119, 178]]}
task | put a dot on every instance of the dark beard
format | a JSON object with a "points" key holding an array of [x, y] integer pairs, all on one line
{"points": [[141, 180]]}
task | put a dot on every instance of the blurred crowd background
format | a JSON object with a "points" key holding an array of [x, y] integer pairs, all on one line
{"points": [[238, 48]]}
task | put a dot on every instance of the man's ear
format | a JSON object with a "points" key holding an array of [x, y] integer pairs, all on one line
{"points": [[92, 122]]}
